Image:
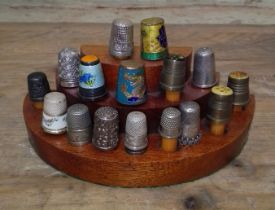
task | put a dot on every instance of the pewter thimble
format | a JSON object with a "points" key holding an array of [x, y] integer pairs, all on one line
{"points": [[204, 73], [68, 65], [136, 133], [38, 86], [190, 123], [79, 125], [170, 123], [121, 43], [54, 113], [105, 133], [239, 82], [172, 76]]}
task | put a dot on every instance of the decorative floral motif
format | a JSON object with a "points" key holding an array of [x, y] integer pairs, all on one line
{"points": [[87, 79], [162, 37]]}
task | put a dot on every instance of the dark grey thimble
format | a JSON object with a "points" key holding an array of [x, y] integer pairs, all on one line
{"points": [[79, 125], [38, 86], [136, 133], [121, 43], [105, 132], [190, 123], [173, 72], [68, 65], [170, 123], [204, 73]]}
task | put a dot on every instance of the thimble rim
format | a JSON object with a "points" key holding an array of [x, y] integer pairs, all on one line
{"points": [[205, 85], [152, 21], [131, 64]]}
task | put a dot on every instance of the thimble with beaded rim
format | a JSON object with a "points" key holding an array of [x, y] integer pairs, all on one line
{"points": [[38, 86]]}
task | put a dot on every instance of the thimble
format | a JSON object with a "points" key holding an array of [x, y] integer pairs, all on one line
{"points": [[54, 113], [91, 78], [131, 88], [153, 39], [204, 73], [38, 86], [105, 132], [136, 133], [190, 123], [79, 126], [121, 43], [68, 65]]}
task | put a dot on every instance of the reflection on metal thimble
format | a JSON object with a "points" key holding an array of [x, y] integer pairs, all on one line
{"points": [[79, 126], [68, 65], [136, 133], [54, 113], [38, 86], [121, 43], [105, 132], [190, 123], [91, 78], [204, 73], [170, 123], [239, 83]]}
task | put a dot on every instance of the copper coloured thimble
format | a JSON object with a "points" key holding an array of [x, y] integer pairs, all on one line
{"points": [[54, 113], [79, 125], [121, 44], [136, 133], [38, 86], [204, 73], [105, 132]]}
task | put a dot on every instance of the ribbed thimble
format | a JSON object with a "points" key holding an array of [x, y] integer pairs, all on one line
{"points": [[190, 123], [79, 125], [121, 43], [38, 86], [170, 123], [68, 65], [136, 133], [172, 76], [54, 113], [105, 132], [239, 83], [204, 73]]}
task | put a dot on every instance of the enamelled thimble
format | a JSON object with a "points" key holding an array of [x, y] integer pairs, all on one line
{"points": [[204, 73], [54, 113], [136, 133], [153, 39], [68, 65], [91, 78], [121, 43], [190, 123], [105, 133], [79, 125]]}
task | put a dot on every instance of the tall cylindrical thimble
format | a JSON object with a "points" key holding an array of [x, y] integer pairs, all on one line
{"points": [[68, 65], [190, 123], [136, 133], [121, 43], [204, 73], [54, 113], [79, 125], [105, 132]]}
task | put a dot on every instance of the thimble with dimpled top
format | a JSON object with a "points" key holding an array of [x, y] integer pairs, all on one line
{"points": [[54, 113], [136, 133], [38, 86]]}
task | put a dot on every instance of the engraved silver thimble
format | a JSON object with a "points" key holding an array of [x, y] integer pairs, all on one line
{"points": [[190, 123], [79, 125], [170, 123], [204, 73], [136, 133], [105, 132], [68, 65], [121, 43], [54, 113]]}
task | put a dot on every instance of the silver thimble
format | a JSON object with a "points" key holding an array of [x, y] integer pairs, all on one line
{"points": [[54, 113], [105, 132], [172, 76], [79, 125], [170, 123], [204, 73], [68, 65], [190, 123], [121, 43], [136, 133]]}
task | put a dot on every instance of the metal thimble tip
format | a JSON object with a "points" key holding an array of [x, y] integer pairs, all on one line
{"points": [[38, 86]]}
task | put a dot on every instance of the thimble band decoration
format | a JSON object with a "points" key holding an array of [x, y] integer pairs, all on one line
{"points": [[54, 124], [38, 86]]}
